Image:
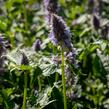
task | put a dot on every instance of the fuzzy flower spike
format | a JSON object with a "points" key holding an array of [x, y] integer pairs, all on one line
{"points": [[50, 7], [60, 33], [37, 45]]}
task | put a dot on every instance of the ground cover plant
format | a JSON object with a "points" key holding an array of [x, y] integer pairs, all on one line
{"points": [[54, 54]]}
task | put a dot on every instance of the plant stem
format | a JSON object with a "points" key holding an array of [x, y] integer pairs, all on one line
{"points": [[56, 77], [7, 107], [63, 81], [31, 84], [39, 83], [25, 16], [25, 90]]}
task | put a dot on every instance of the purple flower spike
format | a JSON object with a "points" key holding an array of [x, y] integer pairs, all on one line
{"points": [[60, 34], [24, 60], [96, 22], [37, 45], [53, 38], [50, 6], [71, 84]]}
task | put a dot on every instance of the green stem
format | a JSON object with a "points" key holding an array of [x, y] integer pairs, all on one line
{"points": [[31, 84], [56, 77], [7, 107], [25, 90], [25, 16], [63, 81], [39, 83]]}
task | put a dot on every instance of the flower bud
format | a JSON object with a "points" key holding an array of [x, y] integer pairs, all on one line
{"points": [[96, 22], [24, 60], [37, 45]]}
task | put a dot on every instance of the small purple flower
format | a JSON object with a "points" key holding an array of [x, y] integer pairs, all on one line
{"points": [[56, 60], [53, 38], [71, 95], [71, 84], [37, 45], [71, 78], [70, 58], [24, 60], [60, 33]]}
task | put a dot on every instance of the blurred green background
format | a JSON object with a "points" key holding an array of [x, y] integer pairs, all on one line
{"points": [[22, 22]]}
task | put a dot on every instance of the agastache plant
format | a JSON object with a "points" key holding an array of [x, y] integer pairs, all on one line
{"points": [[59, 35], [24, 61]]}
